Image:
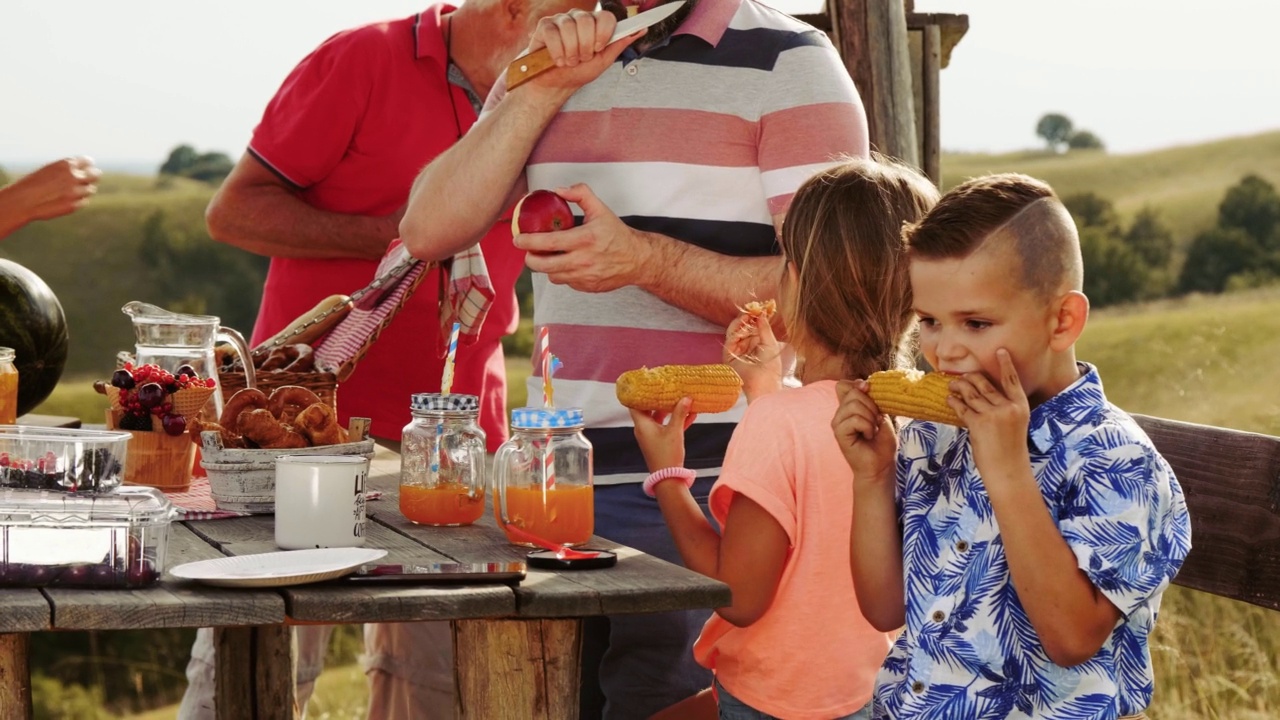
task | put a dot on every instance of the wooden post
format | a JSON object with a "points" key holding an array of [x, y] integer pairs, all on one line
{"points": [[255, 674], [872, 38], [517, 668], [15, 676], [931, 124]]}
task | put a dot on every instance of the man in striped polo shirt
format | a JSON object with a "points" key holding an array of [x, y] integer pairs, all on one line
{"points": [[682, 148]]}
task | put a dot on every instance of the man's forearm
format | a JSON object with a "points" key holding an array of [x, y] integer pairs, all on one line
{"points": [[706, 283], [272, 221], [463, 192]]}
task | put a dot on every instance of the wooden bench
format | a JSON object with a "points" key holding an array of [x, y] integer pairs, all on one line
{"points": [[1232, 482]]}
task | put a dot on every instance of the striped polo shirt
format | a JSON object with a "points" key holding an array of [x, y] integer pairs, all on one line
{"points": [[703, 139]]}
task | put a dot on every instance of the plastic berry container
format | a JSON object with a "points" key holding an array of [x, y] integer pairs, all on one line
{"points": [[62, 459], [58, 539]]}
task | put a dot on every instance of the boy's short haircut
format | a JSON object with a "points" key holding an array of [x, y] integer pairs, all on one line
{"points": [[1020, 210]]}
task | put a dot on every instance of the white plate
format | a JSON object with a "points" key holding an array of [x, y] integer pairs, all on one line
{"points": [[277, 569]]}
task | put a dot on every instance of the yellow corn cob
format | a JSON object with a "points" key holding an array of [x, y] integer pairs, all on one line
{"points": [[914, 394], [713, 388]]}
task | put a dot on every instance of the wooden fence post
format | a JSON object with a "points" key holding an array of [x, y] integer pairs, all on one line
{"points": [[872, 38]]}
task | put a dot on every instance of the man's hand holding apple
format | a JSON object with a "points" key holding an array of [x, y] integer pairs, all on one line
{"points": [[600, 255]]}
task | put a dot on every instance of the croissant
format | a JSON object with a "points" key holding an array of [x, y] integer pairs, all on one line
{"points": [[261, 427], [319, 424]]}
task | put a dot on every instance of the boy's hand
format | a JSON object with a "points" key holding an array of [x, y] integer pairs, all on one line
{"points": [[865, 435], [998, 419], [663, 444], [751, 349]]}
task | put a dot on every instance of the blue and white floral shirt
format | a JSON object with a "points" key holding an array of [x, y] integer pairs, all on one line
{"points": [[969, 652]]}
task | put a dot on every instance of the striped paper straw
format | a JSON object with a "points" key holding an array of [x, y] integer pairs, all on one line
{"points": [[548, 465], [446, 382]]}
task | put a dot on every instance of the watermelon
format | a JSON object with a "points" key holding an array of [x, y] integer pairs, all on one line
{"points": [[32, 323]]}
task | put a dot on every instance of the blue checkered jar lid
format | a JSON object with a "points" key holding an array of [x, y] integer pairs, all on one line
{"points": [[440, 402], [528, 418]]}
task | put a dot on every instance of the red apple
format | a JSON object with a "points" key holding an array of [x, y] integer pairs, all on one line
{"points": [[541, 211]]}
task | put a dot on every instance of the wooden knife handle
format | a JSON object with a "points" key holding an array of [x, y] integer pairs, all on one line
{"points": [[527, 67]]}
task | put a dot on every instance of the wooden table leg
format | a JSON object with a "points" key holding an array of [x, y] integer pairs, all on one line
{"points": [[518, 668], [256, 671], [15, 676]]}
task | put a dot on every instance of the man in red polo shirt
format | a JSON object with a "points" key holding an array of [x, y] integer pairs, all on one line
{"points": [[321, 191]]}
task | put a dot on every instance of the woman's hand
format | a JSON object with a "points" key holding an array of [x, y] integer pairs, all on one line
{"points": [[661, 438]]}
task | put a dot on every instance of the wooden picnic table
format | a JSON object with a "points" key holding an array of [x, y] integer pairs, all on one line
{"points": [[517, 649]]}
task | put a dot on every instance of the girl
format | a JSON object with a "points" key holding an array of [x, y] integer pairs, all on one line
{"points": [[794, 644]]}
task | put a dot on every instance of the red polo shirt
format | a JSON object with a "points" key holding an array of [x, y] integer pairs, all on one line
{"points": [[351, 127]]}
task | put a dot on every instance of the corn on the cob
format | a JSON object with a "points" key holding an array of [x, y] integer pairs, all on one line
{"points": [[914, 394], [713, 388]]}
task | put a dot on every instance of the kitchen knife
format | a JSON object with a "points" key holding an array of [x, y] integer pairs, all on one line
{"points": [[535, 63]]}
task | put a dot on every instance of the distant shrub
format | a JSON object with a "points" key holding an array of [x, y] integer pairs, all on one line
{"points": [[52, 700], [1120, 264], [1085, 140]]}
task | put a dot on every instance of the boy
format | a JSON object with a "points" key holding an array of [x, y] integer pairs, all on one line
{"points": [[1027, 553]]}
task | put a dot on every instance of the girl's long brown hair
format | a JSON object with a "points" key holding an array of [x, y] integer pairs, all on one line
{"points": [[843, 233]]}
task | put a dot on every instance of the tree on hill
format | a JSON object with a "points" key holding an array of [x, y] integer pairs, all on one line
{"points": [[1092, 210], [1084, 140], [1055, 128], [209, 167], [1244, 249], [1215, 256], [1253, 206], [1120, 265]]}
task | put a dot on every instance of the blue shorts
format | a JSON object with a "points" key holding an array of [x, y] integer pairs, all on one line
{"points": [[731, 708]]}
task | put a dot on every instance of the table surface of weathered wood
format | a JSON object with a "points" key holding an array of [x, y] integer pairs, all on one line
{"points": [[638, 583]]}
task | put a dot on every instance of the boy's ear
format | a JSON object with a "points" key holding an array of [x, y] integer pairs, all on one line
{"points": [[1072, 312]]}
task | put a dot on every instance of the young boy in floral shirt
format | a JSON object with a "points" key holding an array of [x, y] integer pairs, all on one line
{"points": [[1026, 553]]}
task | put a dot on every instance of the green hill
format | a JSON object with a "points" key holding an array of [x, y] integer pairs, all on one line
{"points": [[93, 260], [1184, 183]]}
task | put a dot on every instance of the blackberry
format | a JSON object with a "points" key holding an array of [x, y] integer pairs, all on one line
{"points": [[96, 466], [129, 421]]}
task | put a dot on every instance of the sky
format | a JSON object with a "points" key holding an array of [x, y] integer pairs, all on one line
{"points": [[126, 81]]}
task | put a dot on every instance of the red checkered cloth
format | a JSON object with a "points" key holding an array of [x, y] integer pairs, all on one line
{"points": [[197, 502], [470, 295]]}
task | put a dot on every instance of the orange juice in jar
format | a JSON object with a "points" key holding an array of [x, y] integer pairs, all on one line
{"points": [[8, 387], [442, 461], [543, 479]]}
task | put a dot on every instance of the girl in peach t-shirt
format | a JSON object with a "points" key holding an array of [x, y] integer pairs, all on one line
{"points": [[793, 644]]}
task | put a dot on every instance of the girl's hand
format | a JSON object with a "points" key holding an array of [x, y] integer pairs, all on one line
{"points": [[865, 435], [751, 349], [663, 444], [998, 419]]}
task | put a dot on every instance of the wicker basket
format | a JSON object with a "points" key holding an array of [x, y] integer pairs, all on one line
{"points": [[244, 479], [156, 458], [323, 384]]}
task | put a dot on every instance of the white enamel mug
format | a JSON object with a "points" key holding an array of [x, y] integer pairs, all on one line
{"points": [[320, 501]]}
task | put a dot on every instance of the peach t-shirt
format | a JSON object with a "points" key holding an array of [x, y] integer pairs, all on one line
{"points": [[811, 655]]}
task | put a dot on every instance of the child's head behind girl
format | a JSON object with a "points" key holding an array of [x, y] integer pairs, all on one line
{"points": [[845, 295]]}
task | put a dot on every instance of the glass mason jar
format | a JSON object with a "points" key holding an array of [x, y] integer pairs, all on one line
{"points": [[442, 477], [8, 387], [542, 477]]}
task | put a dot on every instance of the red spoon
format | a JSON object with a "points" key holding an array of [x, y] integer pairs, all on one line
{"points": [[562, 552]]}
